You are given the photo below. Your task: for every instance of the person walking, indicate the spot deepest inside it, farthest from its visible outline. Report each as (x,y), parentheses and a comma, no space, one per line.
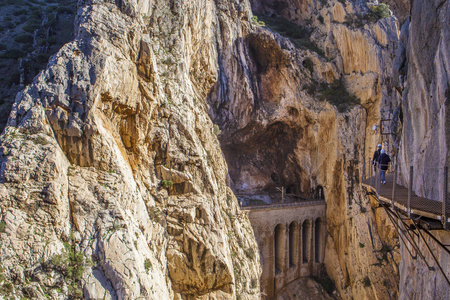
(383,162)
(376,154)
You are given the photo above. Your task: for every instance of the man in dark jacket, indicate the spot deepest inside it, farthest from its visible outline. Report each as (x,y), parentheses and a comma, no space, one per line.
(376,154)
(383,162)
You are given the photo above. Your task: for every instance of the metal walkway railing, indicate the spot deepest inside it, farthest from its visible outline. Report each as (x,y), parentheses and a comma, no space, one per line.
(435,202)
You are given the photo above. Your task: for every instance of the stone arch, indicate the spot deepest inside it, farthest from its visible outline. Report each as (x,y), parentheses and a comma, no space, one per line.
(293,244)
(306,240)
(318,240)
(279,248)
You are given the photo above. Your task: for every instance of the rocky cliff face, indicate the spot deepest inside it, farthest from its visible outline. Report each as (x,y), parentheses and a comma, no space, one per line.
(422,68)
(113,182)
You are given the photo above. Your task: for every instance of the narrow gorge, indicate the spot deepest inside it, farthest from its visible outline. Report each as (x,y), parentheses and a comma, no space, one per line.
(131,162)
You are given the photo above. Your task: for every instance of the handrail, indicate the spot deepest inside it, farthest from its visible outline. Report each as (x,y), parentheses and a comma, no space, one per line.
(302,203)
(439,208)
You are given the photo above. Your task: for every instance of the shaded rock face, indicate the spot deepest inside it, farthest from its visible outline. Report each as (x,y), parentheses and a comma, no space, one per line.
(425,92)
(422,68)
(112,180)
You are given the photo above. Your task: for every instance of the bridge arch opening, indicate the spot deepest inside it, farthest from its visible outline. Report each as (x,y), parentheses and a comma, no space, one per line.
(306,240)
(319,193)
(318,243)
(279,248)
(293,244)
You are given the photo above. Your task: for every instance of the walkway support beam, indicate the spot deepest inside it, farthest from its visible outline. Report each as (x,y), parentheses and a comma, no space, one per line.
(394,187)
(410,187)
(444,199)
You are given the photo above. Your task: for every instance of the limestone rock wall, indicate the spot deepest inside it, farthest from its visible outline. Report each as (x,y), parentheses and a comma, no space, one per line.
(112,180)
(422,70)
(275,130)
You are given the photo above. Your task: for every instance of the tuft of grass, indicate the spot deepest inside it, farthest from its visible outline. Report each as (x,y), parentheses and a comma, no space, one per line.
(25,38)
(2,226)
(147,264)
(216,129)
(361,245)
(167,183)
(257,22)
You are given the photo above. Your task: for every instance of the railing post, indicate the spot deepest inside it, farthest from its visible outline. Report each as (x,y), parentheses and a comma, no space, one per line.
(394,186)
(377,178)
(364,170)
(444,199)
(410,187)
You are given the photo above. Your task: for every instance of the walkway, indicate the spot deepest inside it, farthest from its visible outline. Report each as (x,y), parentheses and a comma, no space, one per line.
(418,205)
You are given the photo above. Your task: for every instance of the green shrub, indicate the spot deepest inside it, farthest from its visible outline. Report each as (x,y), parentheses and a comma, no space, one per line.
(320,18)
(65,10)
(20,12)
(256,22)
(216,129)
(13,54)
(326,283)
(166,183)
(366,281)
(308,64)
(2,226)
(285,27)
(24,38)
(147,264)
(337,94)
(378,12)
(7,288)
(31,26)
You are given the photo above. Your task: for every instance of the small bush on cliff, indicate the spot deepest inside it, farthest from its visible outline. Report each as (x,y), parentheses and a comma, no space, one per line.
(335,93)
(71,264)
(326,283)
(366,281)
(166,183)
(147,264)
(378,12)
(257,22)
(2,226)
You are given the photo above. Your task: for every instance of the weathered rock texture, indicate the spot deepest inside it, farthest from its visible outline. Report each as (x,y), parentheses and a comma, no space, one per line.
(110,154)
(422,69)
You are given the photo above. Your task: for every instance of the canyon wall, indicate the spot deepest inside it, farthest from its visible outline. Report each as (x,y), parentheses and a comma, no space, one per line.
(278,128)
(120,161)
(422,71)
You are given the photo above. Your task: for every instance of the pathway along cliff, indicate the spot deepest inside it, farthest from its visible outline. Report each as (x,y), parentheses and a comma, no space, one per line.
(121,160)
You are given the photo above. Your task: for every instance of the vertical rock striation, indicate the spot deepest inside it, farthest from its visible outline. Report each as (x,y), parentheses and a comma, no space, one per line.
(422,75)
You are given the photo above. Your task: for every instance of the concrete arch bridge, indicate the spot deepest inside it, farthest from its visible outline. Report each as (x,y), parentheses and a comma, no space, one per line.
(291,240)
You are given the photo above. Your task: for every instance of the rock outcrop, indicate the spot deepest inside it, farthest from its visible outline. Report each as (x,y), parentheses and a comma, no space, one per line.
(113,182)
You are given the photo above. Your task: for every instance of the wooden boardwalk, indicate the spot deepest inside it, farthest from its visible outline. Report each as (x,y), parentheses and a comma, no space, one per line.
(419,206)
